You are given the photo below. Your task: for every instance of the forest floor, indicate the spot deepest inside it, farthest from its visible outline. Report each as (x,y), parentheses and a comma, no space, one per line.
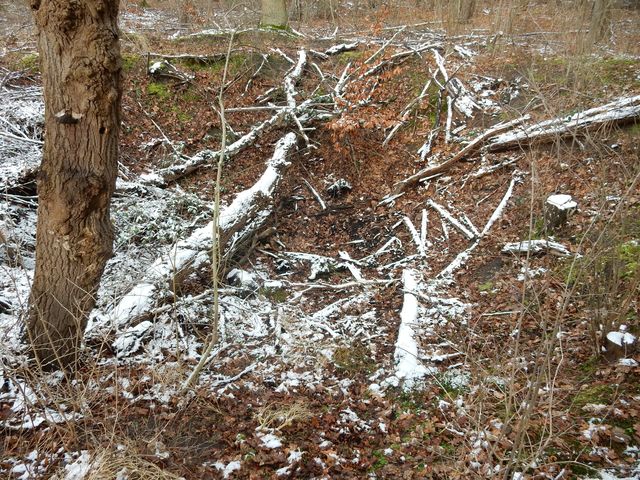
(362,334)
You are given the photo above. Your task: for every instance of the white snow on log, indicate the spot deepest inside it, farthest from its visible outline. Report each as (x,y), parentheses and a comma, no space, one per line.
(562,202)
(465,101)
(156,66)
(338,91)
(409,369)
(135,303)
(536,246)
(621,338)
(263,187)
(343,47)
(624,108)
(415,236)
(292,78)
(193,251)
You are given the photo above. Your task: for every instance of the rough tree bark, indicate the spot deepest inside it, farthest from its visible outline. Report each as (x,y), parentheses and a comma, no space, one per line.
(80,63)
(274,14)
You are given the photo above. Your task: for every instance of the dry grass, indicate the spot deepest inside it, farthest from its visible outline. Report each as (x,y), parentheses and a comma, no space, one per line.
(121,463)
(281,416)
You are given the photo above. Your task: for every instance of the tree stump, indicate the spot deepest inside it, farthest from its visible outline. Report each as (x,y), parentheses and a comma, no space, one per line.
(620,345)
(557,210)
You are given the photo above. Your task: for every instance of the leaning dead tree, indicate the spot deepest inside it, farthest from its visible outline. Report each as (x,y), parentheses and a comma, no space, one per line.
(78,172)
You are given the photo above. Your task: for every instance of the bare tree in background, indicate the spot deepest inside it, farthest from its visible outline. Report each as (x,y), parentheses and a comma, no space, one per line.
(600,23)
(80,63)
(274,14)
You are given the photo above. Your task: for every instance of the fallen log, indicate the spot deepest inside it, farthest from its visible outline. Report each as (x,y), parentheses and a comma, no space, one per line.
(408,367)
(238,222)
(619,111)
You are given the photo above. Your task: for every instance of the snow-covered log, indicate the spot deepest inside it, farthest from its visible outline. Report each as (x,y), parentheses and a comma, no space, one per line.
(535,247)
(239,221)
(409,369)
(619,111)
(343,47)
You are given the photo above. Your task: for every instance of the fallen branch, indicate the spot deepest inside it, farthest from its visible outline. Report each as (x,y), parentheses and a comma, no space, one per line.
(343,47)
(175,172)
(535,247)
(475,145)
(444,213)
(445,276)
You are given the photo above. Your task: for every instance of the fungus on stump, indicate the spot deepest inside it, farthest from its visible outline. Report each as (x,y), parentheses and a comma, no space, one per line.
(81,65)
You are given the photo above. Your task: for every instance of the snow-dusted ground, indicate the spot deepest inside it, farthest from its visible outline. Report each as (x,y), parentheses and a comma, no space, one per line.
(290,330)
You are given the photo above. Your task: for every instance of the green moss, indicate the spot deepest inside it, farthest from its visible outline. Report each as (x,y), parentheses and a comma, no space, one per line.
(486,286)
(380,460)
(277,28)
(354,359)
(350,56)
(583,471)
(129,61)
(191,96)
(184,117)
(584,71)
(629,255)
(634,130)
(30,62)
(275,295)
(159,90)
(590,366)
(593,394)
(410,400)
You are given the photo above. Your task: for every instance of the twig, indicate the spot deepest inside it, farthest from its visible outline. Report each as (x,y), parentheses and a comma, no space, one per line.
(315,194)
(451,219)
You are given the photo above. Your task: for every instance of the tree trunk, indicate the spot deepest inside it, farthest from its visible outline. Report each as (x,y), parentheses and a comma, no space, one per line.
(274,14)
(80,63)
(600,23)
